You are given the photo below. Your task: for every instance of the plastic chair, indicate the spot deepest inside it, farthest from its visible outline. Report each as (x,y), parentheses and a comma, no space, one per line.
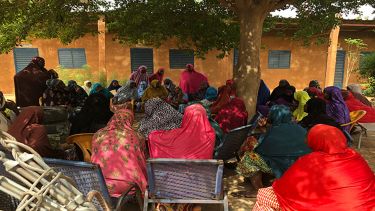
(355,116)
(83,141)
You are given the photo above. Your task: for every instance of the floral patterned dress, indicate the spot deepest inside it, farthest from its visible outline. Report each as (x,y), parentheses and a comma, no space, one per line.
(120,152)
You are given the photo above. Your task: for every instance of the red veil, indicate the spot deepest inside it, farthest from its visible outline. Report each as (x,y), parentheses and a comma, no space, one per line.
(332,177)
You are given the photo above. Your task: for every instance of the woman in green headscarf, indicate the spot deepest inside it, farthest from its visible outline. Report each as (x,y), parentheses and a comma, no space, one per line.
(98,88)
(302,97)
(276,150)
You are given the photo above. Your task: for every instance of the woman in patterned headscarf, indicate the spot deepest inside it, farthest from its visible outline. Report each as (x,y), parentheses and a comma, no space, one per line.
(56,94)
(159,115)
(126,93)
(140,75)
(118,145)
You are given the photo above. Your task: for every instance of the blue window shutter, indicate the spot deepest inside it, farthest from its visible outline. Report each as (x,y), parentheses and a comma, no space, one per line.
(279,59)
(178,59)
(142,56)
(23,56)
(72,57)
(340,69)
(235,57)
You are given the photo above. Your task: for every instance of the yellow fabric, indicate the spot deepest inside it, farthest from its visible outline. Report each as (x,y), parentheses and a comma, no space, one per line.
(154,92)
(302,97)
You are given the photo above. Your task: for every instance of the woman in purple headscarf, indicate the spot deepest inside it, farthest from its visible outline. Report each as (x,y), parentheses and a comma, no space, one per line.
(336,107)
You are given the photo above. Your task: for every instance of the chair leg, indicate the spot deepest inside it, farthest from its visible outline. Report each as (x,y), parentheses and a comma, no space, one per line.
(360,140)
(145,202)
(226,206)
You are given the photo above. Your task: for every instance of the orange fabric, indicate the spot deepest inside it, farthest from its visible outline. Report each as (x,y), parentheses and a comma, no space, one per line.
(332,177)
(195,139)
(355,105)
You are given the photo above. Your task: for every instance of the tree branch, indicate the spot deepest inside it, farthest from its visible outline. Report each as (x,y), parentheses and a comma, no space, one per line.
(230,4)
(278,4)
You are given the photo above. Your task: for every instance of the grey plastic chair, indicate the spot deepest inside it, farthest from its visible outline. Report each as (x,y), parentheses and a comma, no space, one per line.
(185,181)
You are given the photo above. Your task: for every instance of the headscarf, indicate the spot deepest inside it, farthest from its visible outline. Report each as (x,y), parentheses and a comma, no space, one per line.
(112,87)
(336,107)
(201,93)
(191,80)
(315,92)
(78,95)
(159,115)
(226,92)
(314,84)
(263,94)
(139,76)
(157,76)
(126,93)
(332,177)
(93,116)
(356,90)
(141,88)
(27,128)
(211,94)
(56,93)
(118,145)
(195,139)
(153,91)
(280,91)
(284,141)
(356,105)
(30,83)
(232,115)
(302,97)
(104,91)
(86,88)
(316,109)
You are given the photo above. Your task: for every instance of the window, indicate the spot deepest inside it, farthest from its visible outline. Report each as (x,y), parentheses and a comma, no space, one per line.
(142,56)
(279,59)
(23,56)
(178,59)
(235,57)
(72,57)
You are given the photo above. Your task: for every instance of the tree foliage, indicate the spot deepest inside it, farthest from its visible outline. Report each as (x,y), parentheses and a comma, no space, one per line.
(66,20)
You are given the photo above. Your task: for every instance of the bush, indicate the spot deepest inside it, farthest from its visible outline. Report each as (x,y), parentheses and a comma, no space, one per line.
(367,70)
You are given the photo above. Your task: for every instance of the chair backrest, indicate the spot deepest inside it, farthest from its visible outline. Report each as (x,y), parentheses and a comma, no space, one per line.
(185,179)
(86,176)
(83,141)
(355,116)
(235,138)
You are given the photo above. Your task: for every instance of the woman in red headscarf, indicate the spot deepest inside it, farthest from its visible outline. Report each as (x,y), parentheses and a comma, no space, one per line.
(226,93)
(354,105)
(159,75)
(191,80)
(332,177)
(195,139)
(232,115)
(140,75)
(30,82)
(27,128)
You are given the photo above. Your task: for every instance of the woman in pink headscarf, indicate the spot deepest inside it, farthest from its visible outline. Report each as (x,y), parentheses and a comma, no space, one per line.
(159,75)
(119,150)
(195,139)
(191,80)
(140,75)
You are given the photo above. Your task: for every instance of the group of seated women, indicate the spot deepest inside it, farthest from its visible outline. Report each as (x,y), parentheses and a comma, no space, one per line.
(180,122)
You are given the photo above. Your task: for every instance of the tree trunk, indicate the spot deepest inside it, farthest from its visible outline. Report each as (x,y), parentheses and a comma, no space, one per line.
(247,73)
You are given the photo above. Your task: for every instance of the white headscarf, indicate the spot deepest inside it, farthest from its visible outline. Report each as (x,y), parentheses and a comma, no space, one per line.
(86,88)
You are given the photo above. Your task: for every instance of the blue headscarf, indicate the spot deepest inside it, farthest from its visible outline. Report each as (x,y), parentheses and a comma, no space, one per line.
(104,91)
(141,88)
(263,94)
(211,93)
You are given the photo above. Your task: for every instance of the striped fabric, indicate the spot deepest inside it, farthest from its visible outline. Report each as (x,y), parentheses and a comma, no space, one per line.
(266,200)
